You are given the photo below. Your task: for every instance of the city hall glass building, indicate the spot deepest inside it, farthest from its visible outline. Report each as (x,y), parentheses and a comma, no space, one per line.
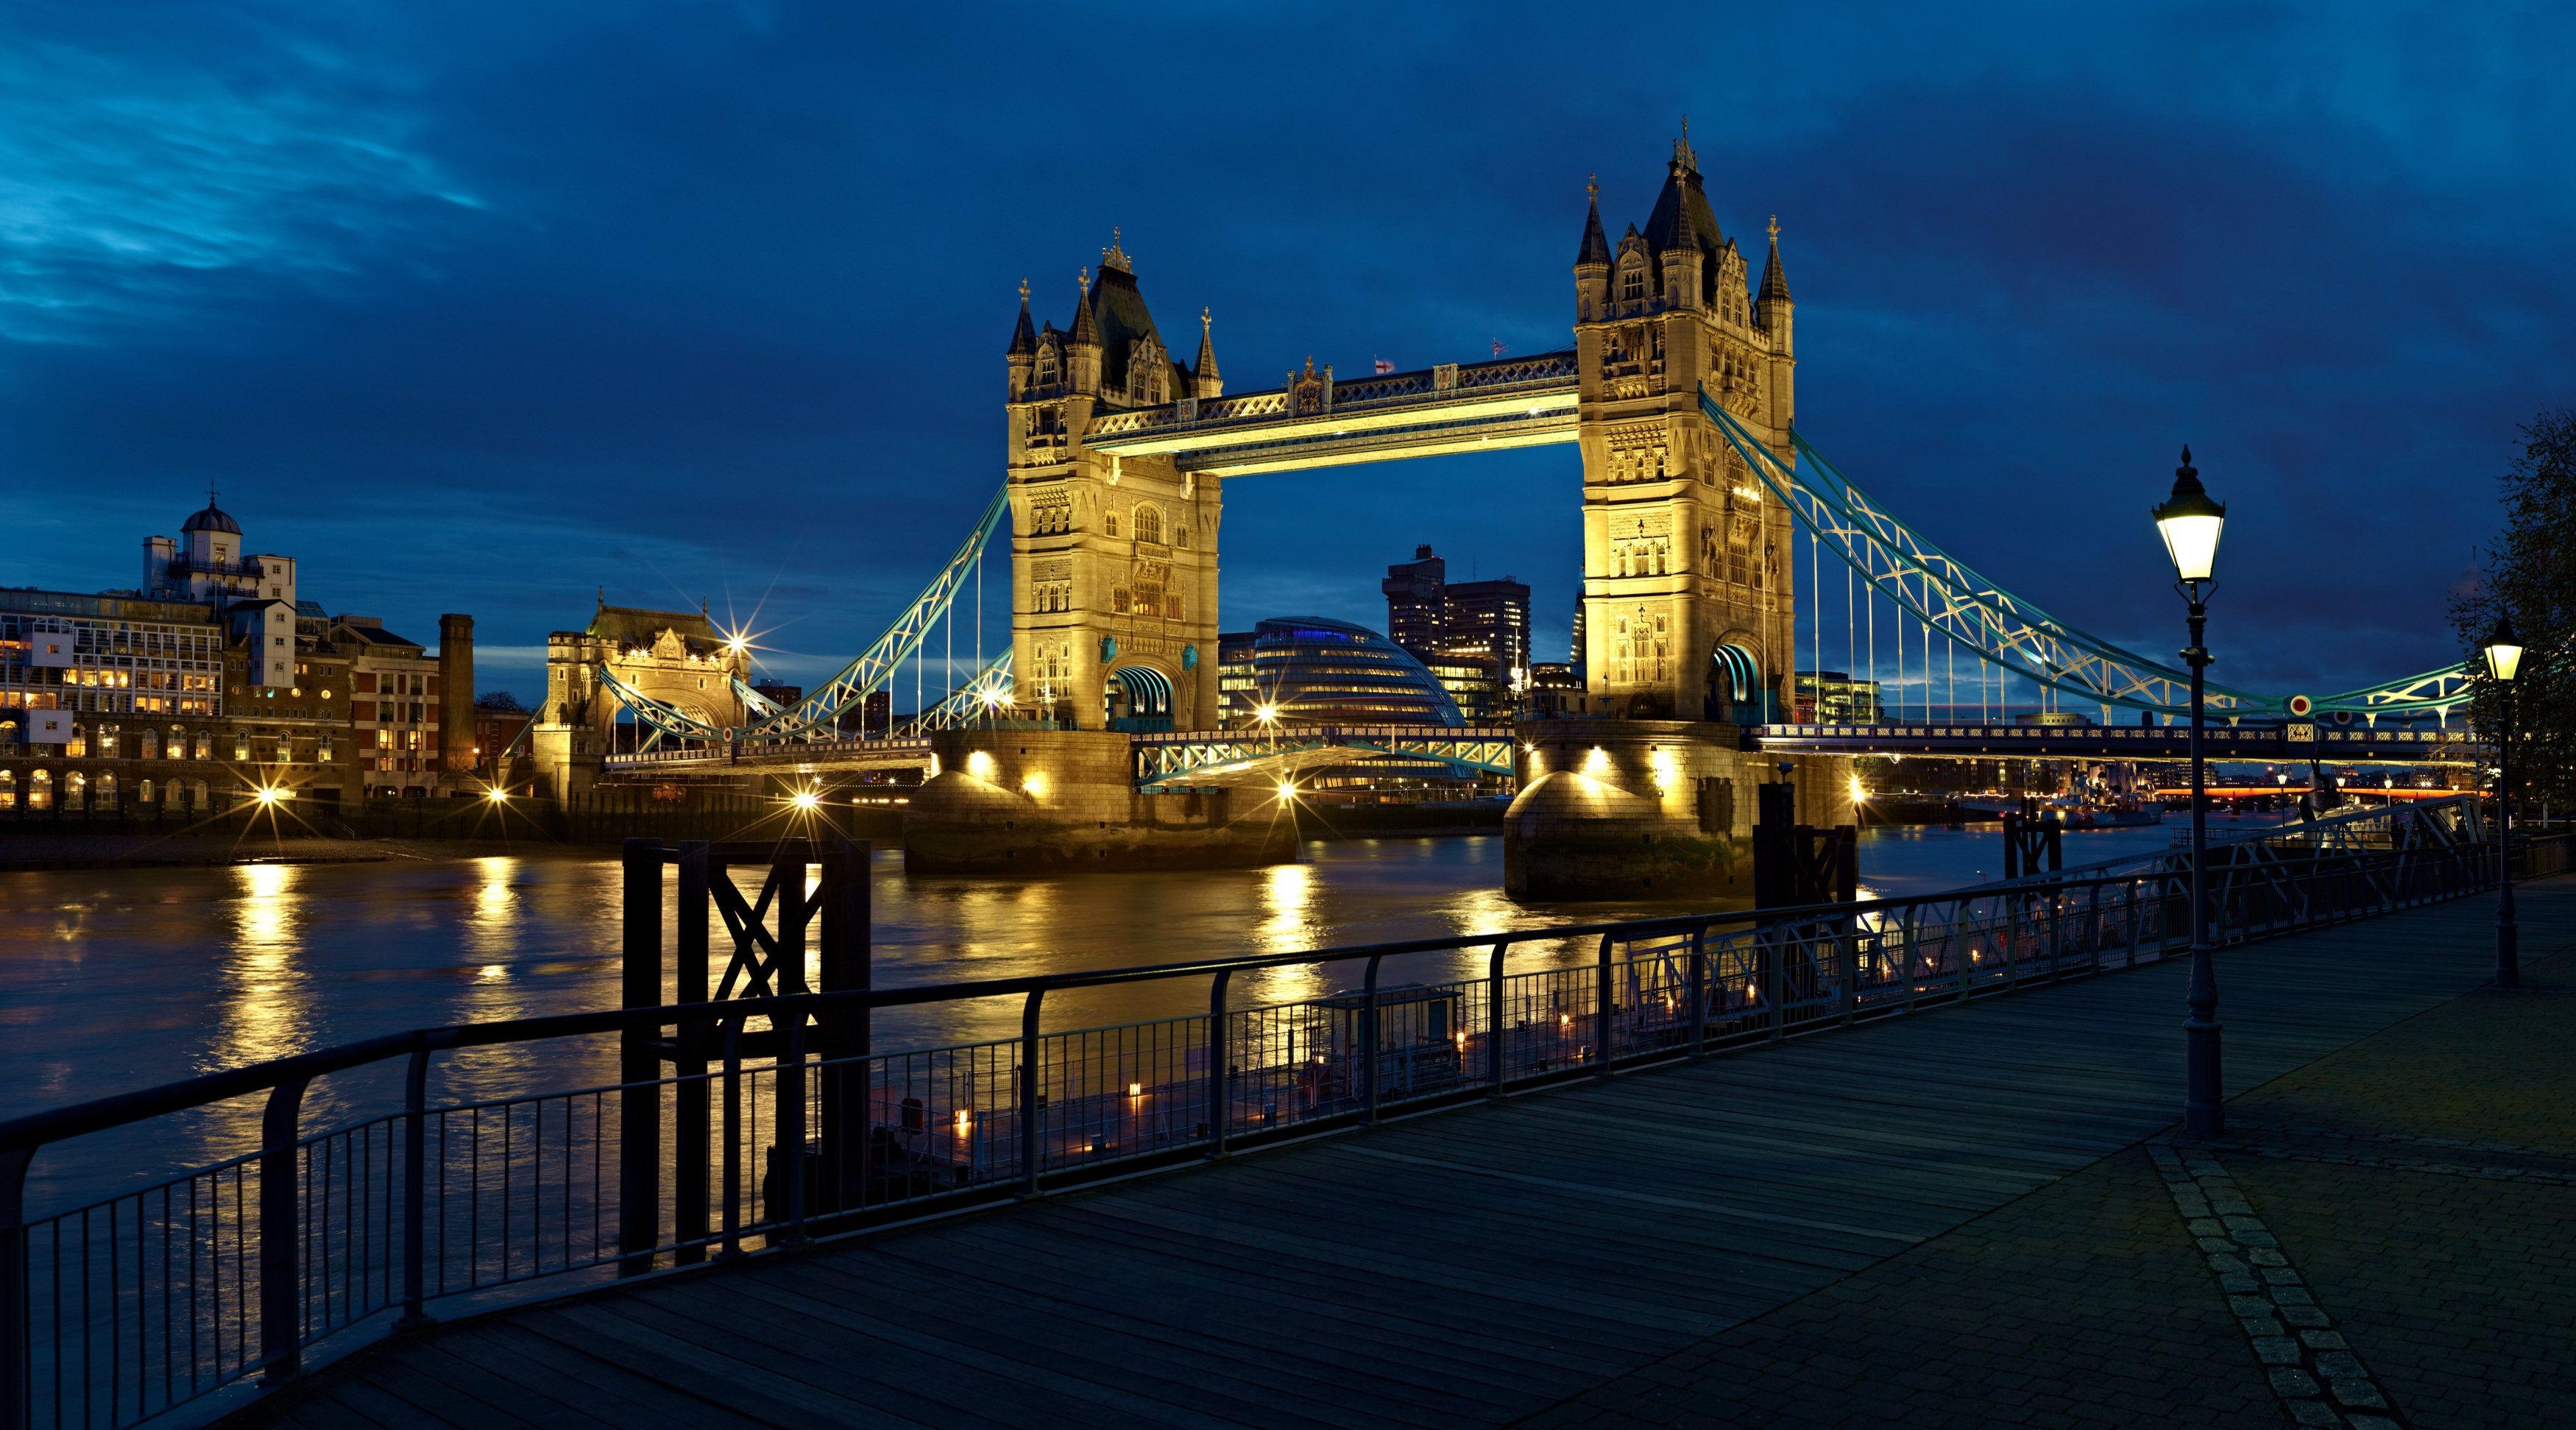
(1318,672)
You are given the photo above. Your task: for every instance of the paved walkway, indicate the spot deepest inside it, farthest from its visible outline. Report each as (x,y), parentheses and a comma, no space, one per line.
(1964,1218)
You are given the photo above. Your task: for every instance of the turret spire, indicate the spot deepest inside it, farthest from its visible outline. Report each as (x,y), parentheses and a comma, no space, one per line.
(1205,368)
(1024,338)
(1085,328)
(1775,279)
(1595,247)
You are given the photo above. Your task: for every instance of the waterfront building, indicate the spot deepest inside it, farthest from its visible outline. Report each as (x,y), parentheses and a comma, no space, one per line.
(1313,671)
(209,680)
(397,697)
(498,720)
(1555,688)
(210,564)
(1489,621)
(1832,697)
(1238,693)
(1437,619)
(1417,607)
(1483,695)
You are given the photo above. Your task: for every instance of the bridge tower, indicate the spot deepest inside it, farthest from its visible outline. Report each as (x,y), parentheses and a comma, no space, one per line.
(1113,561)
(1687,585)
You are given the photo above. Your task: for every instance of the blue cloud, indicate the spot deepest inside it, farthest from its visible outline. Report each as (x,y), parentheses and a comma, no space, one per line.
(489,306)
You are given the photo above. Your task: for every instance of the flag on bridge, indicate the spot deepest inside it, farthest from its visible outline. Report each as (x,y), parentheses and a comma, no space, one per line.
(1382,365)
(1498,347)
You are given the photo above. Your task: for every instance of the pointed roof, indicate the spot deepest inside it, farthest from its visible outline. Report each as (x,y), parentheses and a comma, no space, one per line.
(1205,367)
(1775,279)
(1024,338)
(1682,214)
(1596,248)
(1084,329)
(1116,311)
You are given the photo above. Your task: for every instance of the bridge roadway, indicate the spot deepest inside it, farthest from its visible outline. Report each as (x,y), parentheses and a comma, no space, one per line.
(1571,1248)
(1187,759)
(1164,760)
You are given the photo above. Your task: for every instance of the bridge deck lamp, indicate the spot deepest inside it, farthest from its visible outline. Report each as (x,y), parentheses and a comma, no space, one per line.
(2503,653)
(2190,523)
(805,799)
(497,795)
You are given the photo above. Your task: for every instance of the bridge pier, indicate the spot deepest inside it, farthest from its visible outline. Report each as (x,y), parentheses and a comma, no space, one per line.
(1623,809)
(1034,802)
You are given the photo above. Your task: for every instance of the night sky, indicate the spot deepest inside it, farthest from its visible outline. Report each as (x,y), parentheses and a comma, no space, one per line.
(484,307)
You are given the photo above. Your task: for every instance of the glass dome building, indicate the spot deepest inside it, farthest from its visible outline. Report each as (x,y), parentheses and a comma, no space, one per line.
(1319,672)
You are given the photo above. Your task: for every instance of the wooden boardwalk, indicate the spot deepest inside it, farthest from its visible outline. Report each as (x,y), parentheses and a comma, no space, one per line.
(1467,1267)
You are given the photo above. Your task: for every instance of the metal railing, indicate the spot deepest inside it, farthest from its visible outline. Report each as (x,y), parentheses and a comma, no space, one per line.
(774,1130)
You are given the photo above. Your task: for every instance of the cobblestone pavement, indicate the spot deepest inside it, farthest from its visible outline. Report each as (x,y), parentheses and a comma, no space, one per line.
(2083,1304)
(2312,1368)
(2425,1182)
(2413,1201)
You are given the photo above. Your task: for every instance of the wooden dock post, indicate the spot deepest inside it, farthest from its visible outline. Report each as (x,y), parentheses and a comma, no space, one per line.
(639,1064)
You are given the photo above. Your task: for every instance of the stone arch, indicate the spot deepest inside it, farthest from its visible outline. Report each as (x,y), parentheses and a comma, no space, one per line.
(1735,690)
(1138,692)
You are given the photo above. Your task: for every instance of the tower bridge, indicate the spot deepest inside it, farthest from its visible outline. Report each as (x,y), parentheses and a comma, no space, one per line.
(1679,394)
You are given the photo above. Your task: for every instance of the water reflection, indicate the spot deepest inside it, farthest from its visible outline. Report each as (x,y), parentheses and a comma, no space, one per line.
(112,980)
(266,1007)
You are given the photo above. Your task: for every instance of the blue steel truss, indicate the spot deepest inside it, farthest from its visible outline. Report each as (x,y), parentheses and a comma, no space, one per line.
(760,706)
(662,720)
(819,714)
(822,709)
(980,700)
(1172,762)
(1998,627)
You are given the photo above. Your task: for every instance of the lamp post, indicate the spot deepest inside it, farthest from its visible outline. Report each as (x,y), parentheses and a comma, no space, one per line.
(2190,523)
(2504,661)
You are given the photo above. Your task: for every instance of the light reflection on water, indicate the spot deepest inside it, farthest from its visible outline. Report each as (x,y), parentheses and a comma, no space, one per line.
(114,980)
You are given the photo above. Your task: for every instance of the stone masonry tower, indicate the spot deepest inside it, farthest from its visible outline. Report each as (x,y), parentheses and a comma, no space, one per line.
(1686,569)
(1114,569)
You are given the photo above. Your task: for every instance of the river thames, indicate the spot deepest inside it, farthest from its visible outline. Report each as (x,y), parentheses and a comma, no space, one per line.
(119,979)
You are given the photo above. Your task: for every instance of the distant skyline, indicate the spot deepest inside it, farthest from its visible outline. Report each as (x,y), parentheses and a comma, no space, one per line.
(488,307)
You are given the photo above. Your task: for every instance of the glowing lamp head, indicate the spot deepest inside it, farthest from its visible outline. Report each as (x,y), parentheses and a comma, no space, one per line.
(737,643)
(2190,522)
(991,698)
(267,795)
(2503,651)
(805,799)
(1287,789)
(497,795)
(1266,713)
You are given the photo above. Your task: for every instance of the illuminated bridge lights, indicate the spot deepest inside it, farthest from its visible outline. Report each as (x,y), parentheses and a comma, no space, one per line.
(2251,740)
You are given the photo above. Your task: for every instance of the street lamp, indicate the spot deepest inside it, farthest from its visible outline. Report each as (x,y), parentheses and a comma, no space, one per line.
(2190,523)
(2504,661)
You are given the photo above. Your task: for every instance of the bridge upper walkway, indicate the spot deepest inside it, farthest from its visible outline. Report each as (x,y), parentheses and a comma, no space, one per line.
(1477,1266)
